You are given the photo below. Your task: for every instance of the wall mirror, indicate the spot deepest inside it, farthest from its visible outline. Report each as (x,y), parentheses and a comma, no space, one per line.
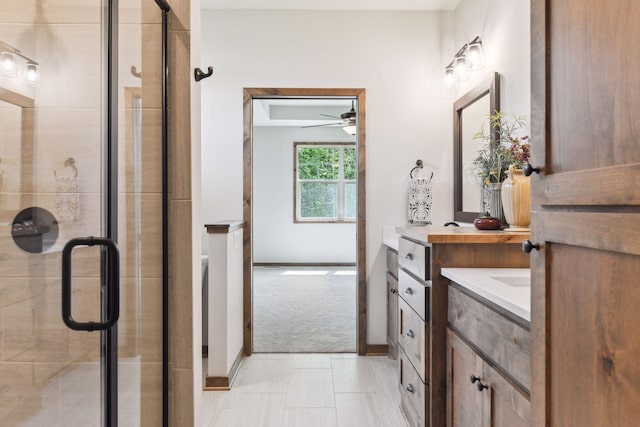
(469,112)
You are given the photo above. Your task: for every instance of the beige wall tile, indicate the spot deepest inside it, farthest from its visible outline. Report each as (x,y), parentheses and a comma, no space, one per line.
(180,294)
(140,324)
(181,398)
(143,169)
(140,235)
(179,115)
(57,11)
(180,15)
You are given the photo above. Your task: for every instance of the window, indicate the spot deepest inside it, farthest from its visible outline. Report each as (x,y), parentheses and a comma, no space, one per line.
(325,182)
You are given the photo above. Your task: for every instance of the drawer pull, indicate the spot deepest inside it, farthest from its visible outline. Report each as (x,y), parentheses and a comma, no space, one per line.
(409,256)
(410,333)
(410,389)
(480,386)
(408,291)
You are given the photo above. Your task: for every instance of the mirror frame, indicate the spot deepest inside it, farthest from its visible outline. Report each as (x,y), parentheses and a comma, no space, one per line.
(490,86)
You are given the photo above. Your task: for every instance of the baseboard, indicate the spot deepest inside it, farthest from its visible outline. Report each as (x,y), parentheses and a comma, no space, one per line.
(304,264)
(224,383)
(377,349)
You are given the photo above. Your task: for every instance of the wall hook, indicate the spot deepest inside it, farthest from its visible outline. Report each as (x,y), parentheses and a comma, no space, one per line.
(198,74)
(134,72)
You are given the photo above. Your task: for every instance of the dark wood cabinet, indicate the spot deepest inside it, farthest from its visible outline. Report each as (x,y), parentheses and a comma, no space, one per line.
(488,363)
(392,315)
(478,395)
(392,303)
(423,252)
(585,137)
(465,402)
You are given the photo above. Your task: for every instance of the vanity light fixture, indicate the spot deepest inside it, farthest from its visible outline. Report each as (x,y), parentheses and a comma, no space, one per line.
(10,59)
(468,58)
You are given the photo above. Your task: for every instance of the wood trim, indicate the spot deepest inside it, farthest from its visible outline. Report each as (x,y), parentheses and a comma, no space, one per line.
(613,231)
(223,227)
(304,264)
(377,349)
(539,128)
(615,185)
(249,94)
(224,383)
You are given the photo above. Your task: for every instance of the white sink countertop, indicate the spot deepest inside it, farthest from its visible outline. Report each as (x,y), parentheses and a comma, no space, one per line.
(509,288)
(390,238)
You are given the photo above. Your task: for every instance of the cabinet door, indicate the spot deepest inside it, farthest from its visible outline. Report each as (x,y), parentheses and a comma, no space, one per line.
(464,402)
(508,406)
(585,138)
(392,313)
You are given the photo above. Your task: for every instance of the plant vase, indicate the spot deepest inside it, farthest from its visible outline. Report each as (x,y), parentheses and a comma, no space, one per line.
(493,201)
(516,200)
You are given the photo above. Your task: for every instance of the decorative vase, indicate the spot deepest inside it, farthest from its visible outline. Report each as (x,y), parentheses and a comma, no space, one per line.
(516,200)
(493,201)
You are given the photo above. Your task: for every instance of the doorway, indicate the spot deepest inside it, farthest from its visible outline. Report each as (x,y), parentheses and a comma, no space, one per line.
(338,189)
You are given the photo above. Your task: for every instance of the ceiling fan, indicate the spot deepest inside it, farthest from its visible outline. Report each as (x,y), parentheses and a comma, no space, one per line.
(347,119)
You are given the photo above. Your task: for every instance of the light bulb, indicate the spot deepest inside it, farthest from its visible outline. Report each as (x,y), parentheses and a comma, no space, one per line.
(460,68)
(475,57)
(32,75)
(8,64)
(449,77)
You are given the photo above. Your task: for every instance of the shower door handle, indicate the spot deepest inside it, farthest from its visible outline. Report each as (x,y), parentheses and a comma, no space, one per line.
(112,287)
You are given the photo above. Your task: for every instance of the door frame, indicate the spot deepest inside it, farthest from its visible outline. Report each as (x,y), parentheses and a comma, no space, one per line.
(249,94)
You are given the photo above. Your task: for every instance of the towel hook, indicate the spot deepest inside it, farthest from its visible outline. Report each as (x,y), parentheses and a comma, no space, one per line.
(419,165)
(198,74)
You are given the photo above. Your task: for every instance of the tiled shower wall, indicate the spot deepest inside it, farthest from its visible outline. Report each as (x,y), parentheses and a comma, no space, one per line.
(38,354)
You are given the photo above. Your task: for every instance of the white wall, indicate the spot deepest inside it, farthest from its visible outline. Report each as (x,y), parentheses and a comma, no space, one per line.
(398,57)
(504,27)
(276,238)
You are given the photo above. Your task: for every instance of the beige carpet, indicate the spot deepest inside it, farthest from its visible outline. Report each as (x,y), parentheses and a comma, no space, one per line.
(304,309)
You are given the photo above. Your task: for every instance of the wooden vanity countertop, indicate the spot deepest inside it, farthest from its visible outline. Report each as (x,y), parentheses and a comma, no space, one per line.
(439,234)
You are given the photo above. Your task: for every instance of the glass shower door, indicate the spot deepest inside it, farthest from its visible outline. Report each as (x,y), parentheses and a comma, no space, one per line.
(80,156)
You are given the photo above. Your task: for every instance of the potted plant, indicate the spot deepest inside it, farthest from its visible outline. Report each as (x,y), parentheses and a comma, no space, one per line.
(504,149)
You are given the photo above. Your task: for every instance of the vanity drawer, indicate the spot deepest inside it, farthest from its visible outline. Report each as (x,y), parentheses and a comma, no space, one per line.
(413,338)
(414,293)
(415,258)
(392,262)
(413,393)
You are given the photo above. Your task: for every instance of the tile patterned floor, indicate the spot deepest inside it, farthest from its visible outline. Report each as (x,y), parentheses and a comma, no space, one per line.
(308,390)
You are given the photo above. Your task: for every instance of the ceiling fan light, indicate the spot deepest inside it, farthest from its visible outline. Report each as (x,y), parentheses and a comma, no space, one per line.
(350,129)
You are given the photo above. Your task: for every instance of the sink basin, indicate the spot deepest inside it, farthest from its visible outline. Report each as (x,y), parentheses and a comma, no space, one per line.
(517,281)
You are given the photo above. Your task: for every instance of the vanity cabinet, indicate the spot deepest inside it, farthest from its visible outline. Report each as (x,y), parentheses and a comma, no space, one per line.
(392,303)
(422,307)
(488,364)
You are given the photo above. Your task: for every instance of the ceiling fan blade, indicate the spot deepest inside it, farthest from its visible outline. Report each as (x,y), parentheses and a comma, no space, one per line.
(326,124)
(333,117)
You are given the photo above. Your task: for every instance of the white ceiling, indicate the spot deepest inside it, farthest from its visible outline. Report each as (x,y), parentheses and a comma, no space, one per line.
(331,4)
(298,112)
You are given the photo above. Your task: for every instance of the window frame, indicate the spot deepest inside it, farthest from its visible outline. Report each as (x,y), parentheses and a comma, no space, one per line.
(341,181)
